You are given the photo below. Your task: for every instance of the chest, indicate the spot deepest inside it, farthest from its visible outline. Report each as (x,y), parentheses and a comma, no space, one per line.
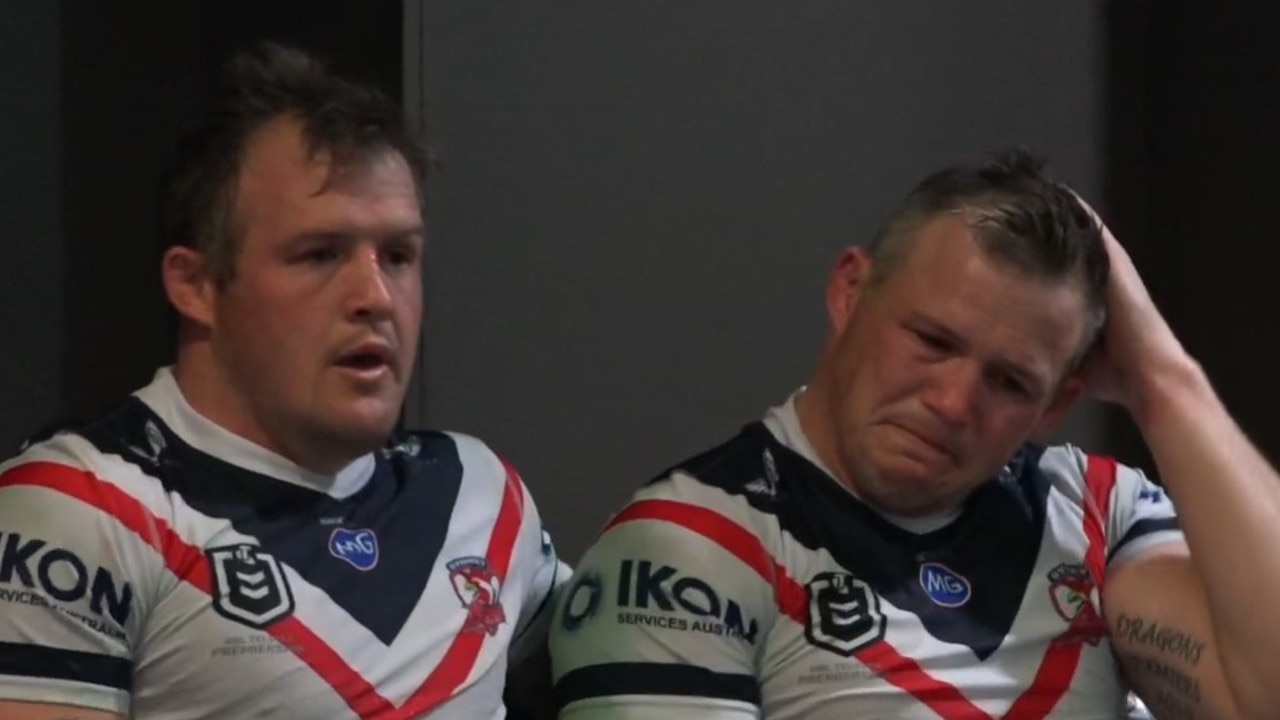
(958,630)
(325,618)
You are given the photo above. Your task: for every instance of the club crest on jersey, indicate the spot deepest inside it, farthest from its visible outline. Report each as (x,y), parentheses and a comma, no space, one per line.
(844,614)
(1075,598)
(358,547)
(478,588)
(944,586)
(249,585)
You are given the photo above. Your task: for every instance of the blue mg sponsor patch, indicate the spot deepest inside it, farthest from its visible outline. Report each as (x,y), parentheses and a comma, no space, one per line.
(358,547)
(944,586)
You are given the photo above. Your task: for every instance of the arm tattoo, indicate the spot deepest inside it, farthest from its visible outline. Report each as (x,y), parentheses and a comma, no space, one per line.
(1170,641)
(1172,679)
(1169,693)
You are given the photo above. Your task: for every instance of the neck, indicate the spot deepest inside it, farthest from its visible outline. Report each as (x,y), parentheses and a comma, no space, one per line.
(817,424)
(209,390)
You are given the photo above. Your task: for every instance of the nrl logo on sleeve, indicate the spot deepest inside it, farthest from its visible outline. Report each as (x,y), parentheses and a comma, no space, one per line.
(249,585)
(478,588)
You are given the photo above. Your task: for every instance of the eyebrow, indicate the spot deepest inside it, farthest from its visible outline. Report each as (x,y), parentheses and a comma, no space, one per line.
(343,236)
(1021,373)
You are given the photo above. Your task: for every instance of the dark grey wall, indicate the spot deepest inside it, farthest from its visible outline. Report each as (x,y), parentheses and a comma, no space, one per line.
(127,80)
(1193,164)
(31,277)
(636,203)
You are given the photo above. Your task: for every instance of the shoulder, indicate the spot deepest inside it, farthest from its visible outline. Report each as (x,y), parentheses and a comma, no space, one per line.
(113,459)
(710,513)
(738,479)
(1074,473)
(438,452)
(1077,474)
(476,479)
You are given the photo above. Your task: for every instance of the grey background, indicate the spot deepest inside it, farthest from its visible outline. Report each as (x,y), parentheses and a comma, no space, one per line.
(636,203)
(31,265)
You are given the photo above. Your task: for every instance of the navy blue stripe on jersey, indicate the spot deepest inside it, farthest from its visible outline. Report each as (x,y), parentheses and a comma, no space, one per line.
(993,544)
(50,663)
(407,504)
(1142,527)
(641,678)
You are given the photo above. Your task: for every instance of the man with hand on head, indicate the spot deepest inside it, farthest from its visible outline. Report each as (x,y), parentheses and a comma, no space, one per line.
(249,535)
(893,542)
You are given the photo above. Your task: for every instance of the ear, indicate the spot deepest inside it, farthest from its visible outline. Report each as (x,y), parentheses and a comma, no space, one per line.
(849,280)
(1069,390)
(188,285)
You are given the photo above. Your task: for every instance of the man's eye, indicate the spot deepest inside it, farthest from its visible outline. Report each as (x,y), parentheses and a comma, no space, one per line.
(933,342)
(319,255)
(1010,384)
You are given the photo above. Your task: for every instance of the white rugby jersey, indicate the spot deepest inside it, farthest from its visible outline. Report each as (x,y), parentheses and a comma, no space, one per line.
(155,565)
(748,583)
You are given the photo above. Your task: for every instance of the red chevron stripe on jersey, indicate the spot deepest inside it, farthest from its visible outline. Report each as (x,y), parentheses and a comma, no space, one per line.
(1056,669)
(190,564)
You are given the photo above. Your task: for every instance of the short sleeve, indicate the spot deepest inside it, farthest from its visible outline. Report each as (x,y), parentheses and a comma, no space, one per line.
(1142,516)
(663,616)
(71,584)
(546,573)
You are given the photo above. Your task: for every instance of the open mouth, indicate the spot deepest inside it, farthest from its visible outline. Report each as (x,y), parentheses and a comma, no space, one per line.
(363,361)
(370,358)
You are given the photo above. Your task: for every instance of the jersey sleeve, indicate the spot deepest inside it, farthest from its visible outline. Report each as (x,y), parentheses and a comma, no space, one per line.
(72,581)
(665,613)
(547,573)
(1142,515)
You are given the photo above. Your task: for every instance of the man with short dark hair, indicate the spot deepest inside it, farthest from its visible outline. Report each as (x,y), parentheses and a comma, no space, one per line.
(250,535)
(894,542)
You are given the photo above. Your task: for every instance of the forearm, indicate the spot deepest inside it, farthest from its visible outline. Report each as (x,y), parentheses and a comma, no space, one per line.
(1228,500)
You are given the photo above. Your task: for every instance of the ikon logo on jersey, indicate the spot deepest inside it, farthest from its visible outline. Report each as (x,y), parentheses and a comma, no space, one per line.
(249,586)
(358,547)
(582,601)
(643,587)
(944,586)
(30,564)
